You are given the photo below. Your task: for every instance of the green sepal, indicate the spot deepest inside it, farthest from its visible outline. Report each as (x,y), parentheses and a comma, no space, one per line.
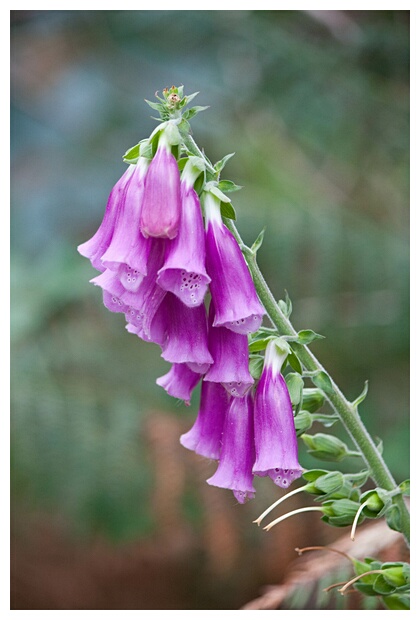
(219,165)
(313,399)
(188,98)
(303,422)
(294,384)
(325,419)
(286,306)
(191,112)
(132,155)
(228,186)
(405,487)
(393,518)
(327,447)
(362,396)
(340,512)
(379,501)
(322,380)
(397,574)
(259,345)
(358,478)
(294,362)
(330,483)
(256,364)
(182,162)
(306,336)
(159,107)
(397,602)
(227,210)
(313,474)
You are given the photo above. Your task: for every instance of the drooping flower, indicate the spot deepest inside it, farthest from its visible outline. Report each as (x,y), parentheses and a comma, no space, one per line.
(186,334)
(205,436)
(179,382)
(161,205)
(236,303)
(128,251)
(95,248)
(139,306)
(230,358)
(275,436)
(184,272)
(237,453)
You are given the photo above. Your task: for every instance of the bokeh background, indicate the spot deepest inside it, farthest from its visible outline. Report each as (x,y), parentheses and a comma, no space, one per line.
(108,510)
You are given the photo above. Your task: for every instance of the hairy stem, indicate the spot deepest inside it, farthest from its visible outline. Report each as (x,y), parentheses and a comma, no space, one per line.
(347,412)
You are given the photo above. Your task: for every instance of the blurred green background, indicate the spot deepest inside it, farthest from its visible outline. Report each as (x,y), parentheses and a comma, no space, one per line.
(108,510)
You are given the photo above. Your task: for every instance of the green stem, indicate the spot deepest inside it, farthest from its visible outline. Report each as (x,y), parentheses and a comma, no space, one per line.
(347,412)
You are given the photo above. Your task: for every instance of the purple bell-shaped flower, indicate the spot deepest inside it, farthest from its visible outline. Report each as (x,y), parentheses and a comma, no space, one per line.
(161,206)
(237,454)
(96,247)
(275,436)
(236,303)
(183,272)
(231,358)
(205,436)
(179,382)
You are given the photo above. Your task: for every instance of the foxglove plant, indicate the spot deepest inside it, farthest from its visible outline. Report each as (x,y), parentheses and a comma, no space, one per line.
(173,262)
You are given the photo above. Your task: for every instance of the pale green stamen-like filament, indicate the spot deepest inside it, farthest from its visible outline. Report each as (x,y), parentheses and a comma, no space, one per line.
(291,514)
(277,502)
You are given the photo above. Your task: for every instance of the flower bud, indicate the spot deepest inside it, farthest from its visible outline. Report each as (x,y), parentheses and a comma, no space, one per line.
(326,447)
(313,399)
(340,512)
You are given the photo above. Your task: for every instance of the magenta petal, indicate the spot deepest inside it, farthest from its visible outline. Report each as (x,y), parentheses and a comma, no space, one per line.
(237,453)
(179,382)
(186,333)
(98,244)
(161,206)
(236,303)
(230,354)
(126,234)
(205,436)
(275,436)
(183,272)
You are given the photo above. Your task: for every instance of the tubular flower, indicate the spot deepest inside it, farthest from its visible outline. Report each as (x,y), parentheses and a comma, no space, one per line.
(184,272)
(179,382)
(99,243)
(205,436)
(161,205)
(126,239)
(237,453)
(186,334)
(230,354)
(236,303)
(275,436)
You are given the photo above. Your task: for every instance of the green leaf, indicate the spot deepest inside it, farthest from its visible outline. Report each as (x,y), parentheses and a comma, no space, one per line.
(322,380)
(306,336)
(132,155)
(258,242)
(191,112)
(218,166)
(228,186)
(362,396)
(227,210)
